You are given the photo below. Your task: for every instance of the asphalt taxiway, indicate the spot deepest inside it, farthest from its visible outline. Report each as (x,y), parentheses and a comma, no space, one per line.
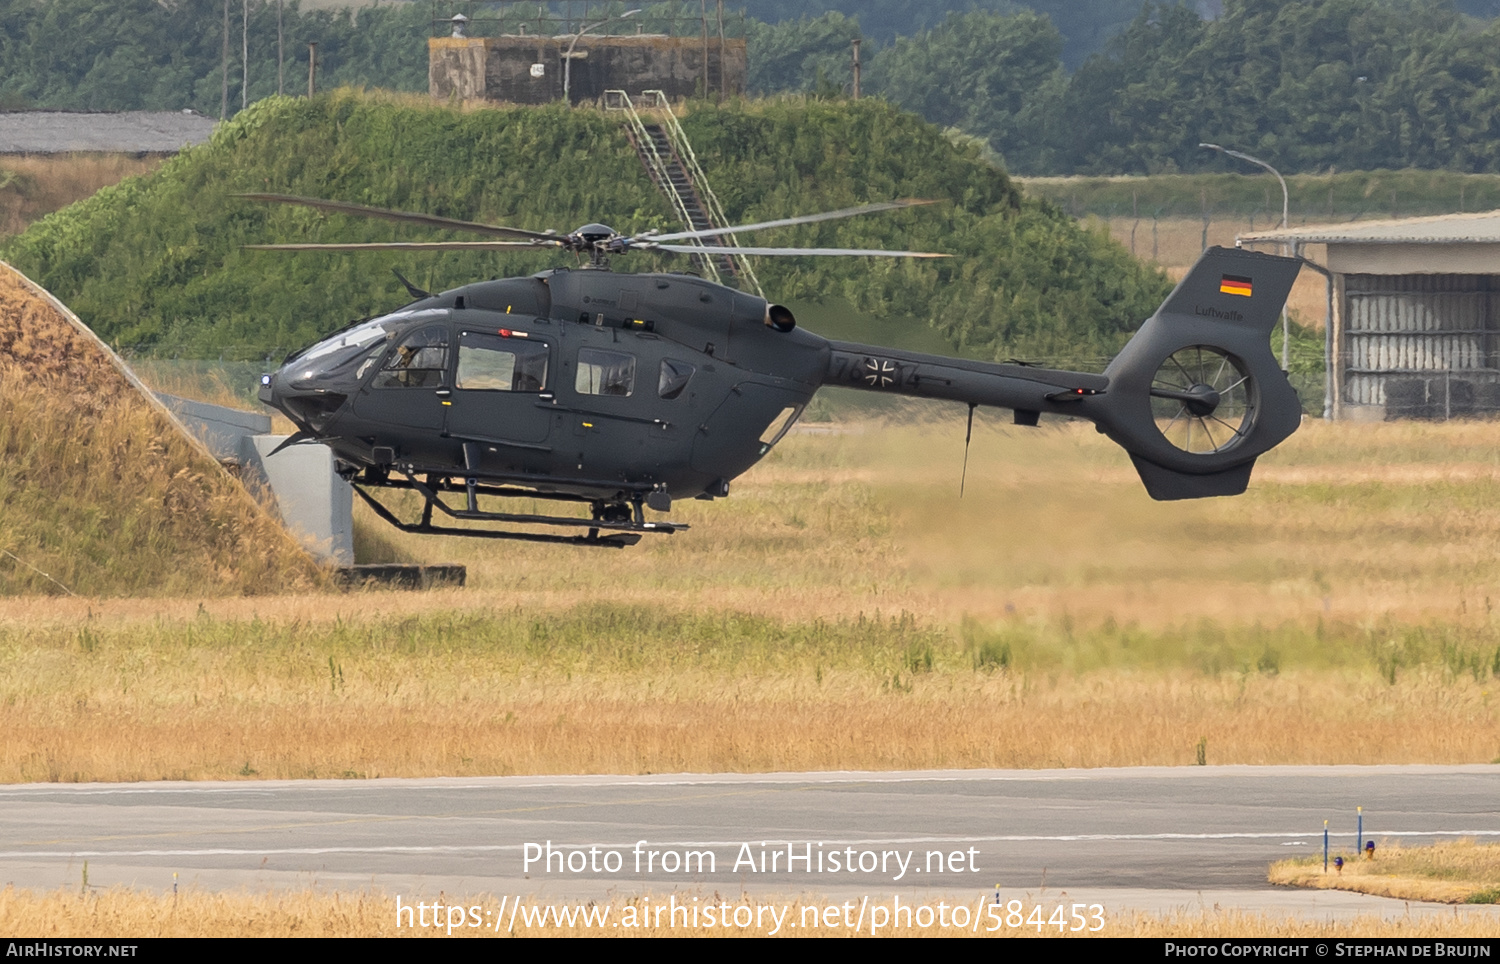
(1154,838)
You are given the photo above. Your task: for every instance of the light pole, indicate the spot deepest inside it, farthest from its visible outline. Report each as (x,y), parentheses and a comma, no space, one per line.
(1285,328)
(568,55)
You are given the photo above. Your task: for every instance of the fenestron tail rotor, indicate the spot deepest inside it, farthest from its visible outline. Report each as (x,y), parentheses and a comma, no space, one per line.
(1197,395)
(1203,400)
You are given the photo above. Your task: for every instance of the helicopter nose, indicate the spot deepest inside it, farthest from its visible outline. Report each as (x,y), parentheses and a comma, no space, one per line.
(310,409)
(276,392)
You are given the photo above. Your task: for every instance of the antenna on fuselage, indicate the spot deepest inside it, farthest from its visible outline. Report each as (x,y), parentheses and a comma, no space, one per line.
(411,289)
(968,434)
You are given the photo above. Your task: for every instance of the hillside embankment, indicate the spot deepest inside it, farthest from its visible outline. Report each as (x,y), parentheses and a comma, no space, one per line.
(100,494)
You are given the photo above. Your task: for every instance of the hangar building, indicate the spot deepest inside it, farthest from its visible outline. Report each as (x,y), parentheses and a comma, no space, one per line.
(1414,308)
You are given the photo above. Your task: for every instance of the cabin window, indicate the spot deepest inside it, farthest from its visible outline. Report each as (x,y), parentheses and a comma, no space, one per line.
(604,372)
(419,361)
(674,378)
(779,426)
(497,363)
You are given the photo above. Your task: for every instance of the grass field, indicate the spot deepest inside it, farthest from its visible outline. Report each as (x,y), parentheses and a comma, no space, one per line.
(843,609)
(32,187)
(1456,872)
(315,913)
(1249,193)
(1343,523)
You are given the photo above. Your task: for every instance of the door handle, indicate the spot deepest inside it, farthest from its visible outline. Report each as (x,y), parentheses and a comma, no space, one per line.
(443,392)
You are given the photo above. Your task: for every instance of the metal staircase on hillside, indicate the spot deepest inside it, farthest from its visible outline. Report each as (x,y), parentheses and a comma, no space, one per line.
(664,149)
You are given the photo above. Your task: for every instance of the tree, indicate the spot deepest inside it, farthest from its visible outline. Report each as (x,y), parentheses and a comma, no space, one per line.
(1306,84)
(996,77)
(800,56)
(150,55)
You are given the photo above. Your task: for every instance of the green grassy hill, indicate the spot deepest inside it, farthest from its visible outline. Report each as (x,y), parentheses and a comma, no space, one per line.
(156,264)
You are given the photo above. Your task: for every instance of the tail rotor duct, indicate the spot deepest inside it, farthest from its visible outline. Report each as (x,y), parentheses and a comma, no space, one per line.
(1203,400)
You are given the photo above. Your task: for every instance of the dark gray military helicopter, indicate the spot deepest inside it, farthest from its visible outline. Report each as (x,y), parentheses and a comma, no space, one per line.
(623,392)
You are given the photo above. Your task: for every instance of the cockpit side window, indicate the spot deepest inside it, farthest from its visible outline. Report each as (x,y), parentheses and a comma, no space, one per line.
(419,361)
(496,363)
(604,372)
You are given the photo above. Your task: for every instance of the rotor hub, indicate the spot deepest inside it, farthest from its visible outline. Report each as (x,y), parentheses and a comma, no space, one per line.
(593,234)
(1202,400)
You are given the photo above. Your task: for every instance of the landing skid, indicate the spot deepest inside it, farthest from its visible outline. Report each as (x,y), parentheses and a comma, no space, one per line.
(615,523)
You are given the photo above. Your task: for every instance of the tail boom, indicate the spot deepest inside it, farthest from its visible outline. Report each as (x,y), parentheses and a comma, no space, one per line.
(1195,397)
(1023,388)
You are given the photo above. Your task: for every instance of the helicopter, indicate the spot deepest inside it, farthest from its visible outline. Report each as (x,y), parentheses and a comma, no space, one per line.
(626,392)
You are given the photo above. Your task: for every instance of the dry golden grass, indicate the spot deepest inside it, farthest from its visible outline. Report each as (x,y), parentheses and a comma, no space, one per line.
(99,494)
(1340,611)
(311,913)
(34,186)
(1357,523)
(1453,872)
(618,690)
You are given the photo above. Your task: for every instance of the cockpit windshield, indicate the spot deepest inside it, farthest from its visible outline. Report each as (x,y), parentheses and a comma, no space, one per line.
(355,338)
(335,355)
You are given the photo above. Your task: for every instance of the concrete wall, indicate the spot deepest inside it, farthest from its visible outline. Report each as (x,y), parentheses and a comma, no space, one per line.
(456,68)
(314,503)
(222,429)
(529,70)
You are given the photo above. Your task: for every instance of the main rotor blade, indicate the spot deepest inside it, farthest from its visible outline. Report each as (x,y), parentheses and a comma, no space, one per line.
(790,252)
(409,217)
(785,222)
(401,246)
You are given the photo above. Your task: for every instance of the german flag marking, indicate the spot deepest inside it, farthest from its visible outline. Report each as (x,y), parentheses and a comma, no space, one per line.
(1235,285)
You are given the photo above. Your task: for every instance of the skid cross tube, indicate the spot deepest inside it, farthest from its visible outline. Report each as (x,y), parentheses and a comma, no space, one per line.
(618,540)
(623,533)
(476,516)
